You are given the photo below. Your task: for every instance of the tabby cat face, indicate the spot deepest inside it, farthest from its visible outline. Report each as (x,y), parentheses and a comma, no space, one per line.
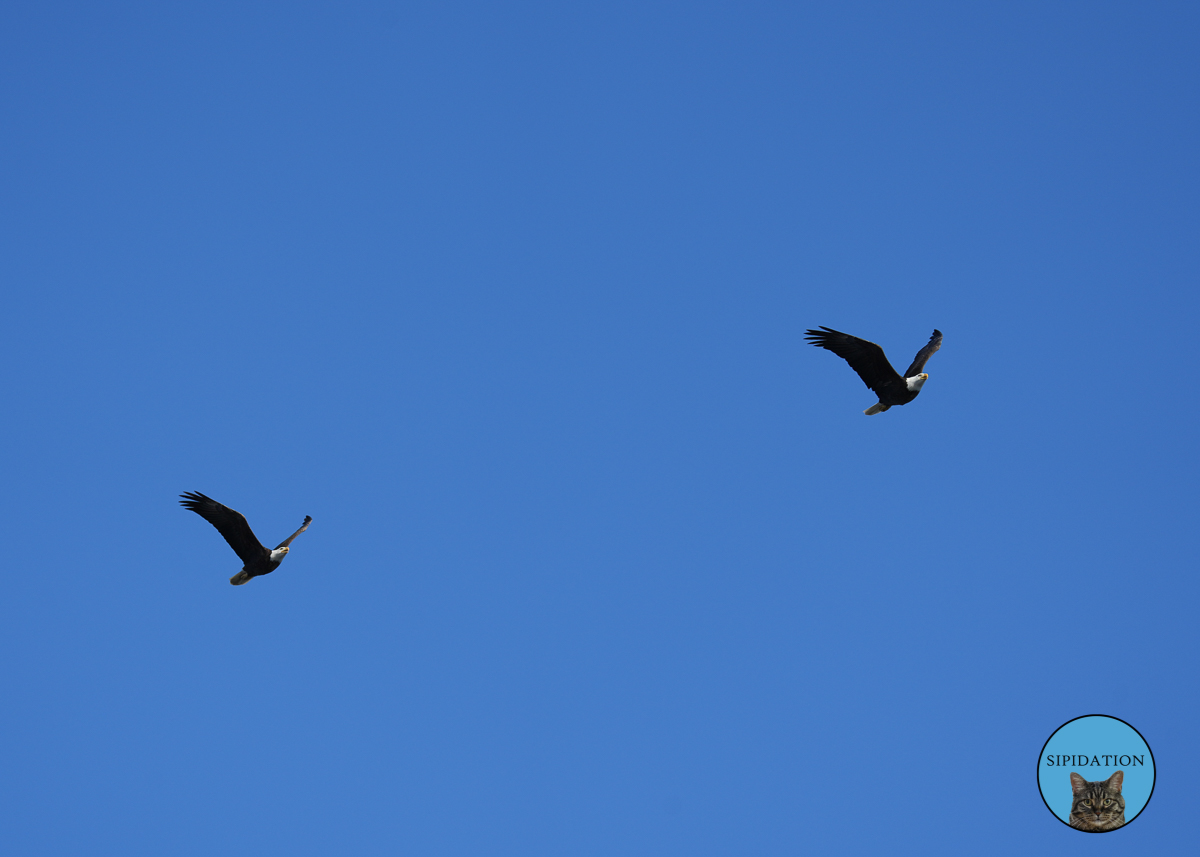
(1097,806)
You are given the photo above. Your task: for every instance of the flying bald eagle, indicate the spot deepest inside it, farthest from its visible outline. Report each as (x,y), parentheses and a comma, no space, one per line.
(868,360)
(232,525)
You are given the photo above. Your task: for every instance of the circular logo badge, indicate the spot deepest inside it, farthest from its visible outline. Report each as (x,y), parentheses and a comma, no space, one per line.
(1096,773)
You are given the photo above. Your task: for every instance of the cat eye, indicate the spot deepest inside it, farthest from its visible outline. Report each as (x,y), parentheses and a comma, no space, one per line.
(1107,802)
(1086,802)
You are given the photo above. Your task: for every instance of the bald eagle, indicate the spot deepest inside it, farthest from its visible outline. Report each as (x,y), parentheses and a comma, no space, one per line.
(868,360)
(232,525)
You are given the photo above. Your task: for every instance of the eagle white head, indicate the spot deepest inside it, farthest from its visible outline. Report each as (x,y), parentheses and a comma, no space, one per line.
(916,382)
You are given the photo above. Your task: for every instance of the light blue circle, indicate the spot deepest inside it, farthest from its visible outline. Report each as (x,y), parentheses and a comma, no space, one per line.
(1095,747)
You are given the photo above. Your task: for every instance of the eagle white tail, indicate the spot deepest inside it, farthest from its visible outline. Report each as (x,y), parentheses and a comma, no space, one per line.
(240,578)
(877,408)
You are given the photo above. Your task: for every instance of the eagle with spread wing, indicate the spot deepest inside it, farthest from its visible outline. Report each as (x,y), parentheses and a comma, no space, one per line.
(232,525)
(868,360)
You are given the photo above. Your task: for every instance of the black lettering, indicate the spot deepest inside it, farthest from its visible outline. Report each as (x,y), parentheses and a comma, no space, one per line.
(1139,760)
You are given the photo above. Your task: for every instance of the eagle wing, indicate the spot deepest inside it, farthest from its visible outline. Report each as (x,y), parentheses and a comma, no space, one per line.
(935,342)
(865,358)
(230,524)
(288,540)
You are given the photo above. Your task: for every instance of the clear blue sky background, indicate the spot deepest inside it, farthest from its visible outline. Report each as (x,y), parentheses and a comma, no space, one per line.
(604,560)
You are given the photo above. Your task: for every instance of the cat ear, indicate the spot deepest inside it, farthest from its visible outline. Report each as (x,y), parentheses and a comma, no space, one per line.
(1114,782)
(1077,783)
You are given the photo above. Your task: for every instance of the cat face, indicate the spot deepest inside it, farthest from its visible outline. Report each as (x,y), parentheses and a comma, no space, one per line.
(1097,806)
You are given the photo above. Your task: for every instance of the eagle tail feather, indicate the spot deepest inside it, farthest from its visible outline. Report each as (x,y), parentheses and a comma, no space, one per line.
(877,408)
(241,577)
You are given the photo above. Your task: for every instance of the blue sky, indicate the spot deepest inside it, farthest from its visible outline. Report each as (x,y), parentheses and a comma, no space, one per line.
(604,559)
